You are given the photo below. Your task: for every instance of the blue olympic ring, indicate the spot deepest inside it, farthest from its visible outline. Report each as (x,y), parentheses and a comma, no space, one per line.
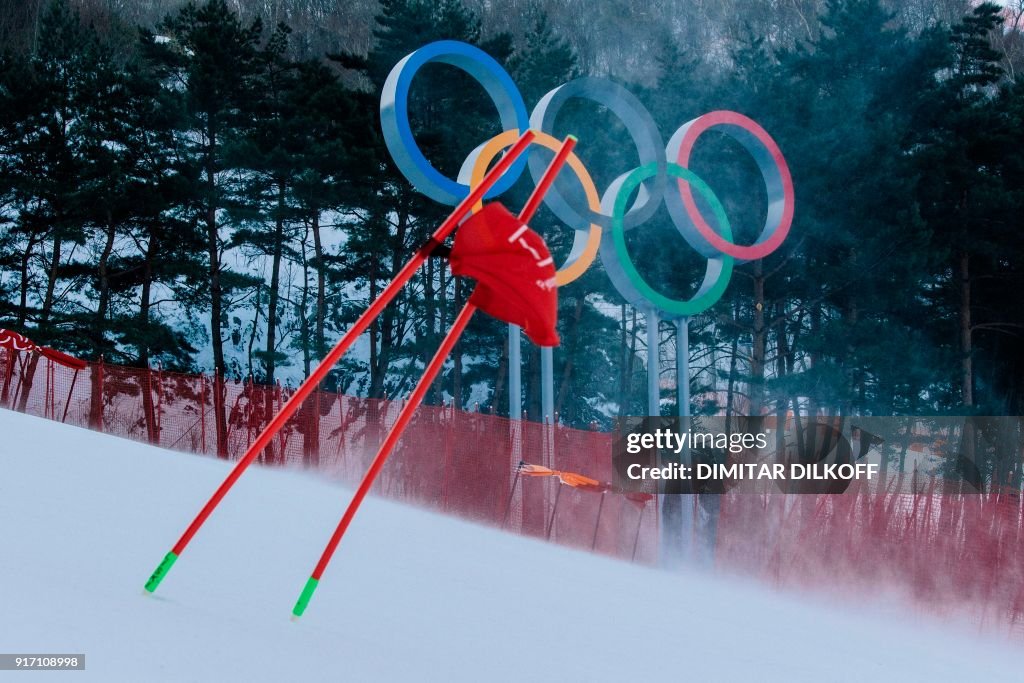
(394,116)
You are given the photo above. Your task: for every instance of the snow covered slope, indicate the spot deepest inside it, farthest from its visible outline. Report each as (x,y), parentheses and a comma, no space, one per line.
(410,596)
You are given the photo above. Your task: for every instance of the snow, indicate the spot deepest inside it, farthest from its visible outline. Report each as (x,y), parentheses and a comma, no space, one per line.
(84,519)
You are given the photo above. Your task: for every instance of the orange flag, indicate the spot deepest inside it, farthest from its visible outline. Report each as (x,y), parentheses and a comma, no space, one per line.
(573,479)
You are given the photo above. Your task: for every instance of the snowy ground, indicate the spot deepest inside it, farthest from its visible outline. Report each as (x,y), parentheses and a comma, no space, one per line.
(410,596)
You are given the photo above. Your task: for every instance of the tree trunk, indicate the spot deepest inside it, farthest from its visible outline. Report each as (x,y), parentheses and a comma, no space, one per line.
(143,344)
(757,352)
(622,359)
(103,275)
(628,342)
(321,289)
(51,282)
(430,326)
(304,327)
(216,292)
(311,407)
(966,348)
(457,353)
(532,375)
(442,313)
(378,370)
(569,355)
(966,361)
(375,381)
(270,357)
(256,308)
(730,387)
(854,370)
(26,256)
(499,381)
(378,386)
(44,319)
(813,401)
(782,344)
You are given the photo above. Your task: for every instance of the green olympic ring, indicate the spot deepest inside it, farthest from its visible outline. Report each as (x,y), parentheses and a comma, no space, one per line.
(619,265)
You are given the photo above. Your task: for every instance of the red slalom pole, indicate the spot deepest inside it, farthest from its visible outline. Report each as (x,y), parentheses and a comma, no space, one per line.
(335,354)
(435,365)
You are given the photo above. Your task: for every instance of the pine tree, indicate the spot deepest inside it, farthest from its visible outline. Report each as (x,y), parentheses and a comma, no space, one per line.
(335,123)
(858,89)
(151,198)
(267,153)
(43,165)
(398,219)
(960,150)
(215,58)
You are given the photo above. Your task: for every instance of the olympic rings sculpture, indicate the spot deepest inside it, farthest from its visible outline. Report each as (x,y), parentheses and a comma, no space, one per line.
(600,220)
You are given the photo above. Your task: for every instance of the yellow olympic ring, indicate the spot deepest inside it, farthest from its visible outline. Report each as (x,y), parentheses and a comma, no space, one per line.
(586,242)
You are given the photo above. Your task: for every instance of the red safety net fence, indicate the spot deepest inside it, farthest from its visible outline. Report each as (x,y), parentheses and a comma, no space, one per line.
(951,552)
(457,462)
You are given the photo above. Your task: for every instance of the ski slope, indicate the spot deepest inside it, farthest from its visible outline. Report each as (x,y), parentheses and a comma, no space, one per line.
(410,596)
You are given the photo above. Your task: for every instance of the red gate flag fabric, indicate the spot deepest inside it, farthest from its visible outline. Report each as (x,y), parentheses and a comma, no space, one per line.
(514,271)
(19,342)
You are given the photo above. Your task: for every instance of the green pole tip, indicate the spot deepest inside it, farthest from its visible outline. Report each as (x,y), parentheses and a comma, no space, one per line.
(303,601)
(161,571)
(572,137)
